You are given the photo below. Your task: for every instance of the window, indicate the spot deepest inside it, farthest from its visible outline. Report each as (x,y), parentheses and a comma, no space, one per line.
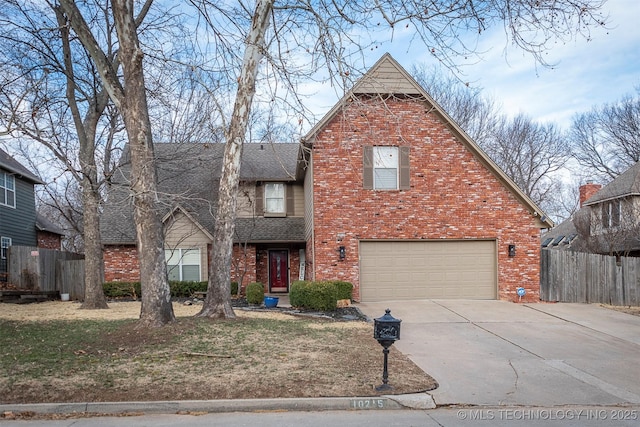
(386,168)
(274,201)
(611,214)
(5,242)
(7,190)
(183,264)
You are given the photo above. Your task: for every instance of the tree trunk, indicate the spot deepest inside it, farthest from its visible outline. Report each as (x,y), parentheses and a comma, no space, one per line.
(217,304)
(156,296)
(86,130)
(94,263)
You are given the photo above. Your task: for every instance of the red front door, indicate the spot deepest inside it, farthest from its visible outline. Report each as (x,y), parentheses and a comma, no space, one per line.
(279,271)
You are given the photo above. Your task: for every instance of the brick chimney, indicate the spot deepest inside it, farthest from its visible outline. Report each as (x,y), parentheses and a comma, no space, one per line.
(587,190)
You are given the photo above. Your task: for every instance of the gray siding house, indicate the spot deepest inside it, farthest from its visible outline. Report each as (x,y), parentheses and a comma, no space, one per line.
(17,207)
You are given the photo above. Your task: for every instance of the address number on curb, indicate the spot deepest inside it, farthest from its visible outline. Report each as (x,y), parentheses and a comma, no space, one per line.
(367,403)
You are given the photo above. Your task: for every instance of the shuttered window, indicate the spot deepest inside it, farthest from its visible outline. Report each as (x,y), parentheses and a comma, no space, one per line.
(385,168)
(274,199)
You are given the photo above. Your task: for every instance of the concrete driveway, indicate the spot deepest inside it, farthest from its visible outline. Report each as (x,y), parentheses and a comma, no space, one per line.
(502,353)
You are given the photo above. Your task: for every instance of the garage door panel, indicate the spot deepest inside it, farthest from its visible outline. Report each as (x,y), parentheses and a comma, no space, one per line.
(432,269)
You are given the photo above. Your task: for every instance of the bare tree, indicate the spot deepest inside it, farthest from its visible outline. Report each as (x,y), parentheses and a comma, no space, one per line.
(54,100)
(131,100)
(477,115)
(529,153)
(606,140)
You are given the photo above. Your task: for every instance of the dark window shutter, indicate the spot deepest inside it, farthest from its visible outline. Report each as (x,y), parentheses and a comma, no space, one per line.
(288,193)
(367,167)
(259,199)
(404,169)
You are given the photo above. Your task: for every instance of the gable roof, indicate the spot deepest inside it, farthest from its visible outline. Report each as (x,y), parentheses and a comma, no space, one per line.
(12,165)
(188,177)
(625,185)
(44,224)
(388,77)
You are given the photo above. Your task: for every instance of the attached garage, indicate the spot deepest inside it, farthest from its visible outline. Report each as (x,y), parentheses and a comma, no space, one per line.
(397,270)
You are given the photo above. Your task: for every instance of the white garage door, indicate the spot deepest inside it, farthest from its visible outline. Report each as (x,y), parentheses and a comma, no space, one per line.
(427,269)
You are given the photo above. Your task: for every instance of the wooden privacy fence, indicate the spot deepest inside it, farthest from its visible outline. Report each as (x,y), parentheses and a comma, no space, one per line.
(41,269)
(568,276)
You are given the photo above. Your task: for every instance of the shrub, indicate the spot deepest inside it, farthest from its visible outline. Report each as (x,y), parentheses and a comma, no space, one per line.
(121,289)
(298,293)
(255,293)
(320,296)
(186,289)
(234,288)
(344,290)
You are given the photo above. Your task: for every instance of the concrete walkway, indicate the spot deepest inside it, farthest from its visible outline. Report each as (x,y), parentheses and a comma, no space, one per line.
(502,353)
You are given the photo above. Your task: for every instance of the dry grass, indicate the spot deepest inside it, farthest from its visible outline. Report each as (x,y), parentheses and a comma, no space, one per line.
(55,352)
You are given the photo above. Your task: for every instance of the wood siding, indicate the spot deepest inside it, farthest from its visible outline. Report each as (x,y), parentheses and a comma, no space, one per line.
(19,223)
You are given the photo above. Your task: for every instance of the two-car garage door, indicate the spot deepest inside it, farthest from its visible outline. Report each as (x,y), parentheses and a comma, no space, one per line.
(396,270)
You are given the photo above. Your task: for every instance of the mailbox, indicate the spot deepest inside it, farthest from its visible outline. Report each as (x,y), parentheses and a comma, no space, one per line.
(386,329)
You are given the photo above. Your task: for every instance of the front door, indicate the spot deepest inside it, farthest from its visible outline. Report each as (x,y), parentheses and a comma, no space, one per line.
(279,271)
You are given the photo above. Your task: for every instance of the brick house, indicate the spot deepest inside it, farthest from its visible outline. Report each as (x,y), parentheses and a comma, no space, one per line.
(386,192)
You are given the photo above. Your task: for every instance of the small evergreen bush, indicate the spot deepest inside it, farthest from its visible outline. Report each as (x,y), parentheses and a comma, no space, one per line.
(255,293)
(121,289)
(321,296)
(186,289)
(344,289)
(298,293)
(234,288)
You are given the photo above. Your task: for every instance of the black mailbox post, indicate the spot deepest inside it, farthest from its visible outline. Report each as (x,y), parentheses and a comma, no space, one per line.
(386,330)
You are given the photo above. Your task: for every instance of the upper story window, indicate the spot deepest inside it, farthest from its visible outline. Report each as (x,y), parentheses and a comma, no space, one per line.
(274,198)
(183,264)
(386,168)
(5,242)
(7,190)
(611,214)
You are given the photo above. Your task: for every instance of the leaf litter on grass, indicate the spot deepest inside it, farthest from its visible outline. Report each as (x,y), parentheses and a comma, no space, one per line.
(258,355)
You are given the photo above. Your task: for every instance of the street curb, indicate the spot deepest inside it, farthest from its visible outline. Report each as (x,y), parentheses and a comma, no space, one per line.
(408,401)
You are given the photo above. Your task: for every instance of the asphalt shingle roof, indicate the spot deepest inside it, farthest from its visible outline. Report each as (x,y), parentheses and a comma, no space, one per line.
(626,184)
(188,176)
(12,165)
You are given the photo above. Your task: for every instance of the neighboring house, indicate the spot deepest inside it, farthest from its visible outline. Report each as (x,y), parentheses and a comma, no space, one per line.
(386,192)
(608,221)
(49,235)
(17,207)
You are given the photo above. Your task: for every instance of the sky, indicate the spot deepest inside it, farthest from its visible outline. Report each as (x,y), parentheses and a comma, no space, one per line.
(586,74)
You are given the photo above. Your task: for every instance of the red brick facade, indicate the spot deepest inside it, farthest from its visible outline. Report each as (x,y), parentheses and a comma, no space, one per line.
(121,264)
(48,240)
(452,195)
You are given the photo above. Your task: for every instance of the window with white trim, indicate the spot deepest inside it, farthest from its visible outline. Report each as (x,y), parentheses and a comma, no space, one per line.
(5,242)
(274,198)
(7,190)
(183,264)
(385,168)
(611,214)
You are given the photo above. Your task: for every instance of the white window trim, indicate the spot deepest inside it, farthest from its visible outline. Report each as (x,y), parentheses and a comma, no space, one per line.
(169,253)
(281,212)
(6,189)
(379,161)
(5,242)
